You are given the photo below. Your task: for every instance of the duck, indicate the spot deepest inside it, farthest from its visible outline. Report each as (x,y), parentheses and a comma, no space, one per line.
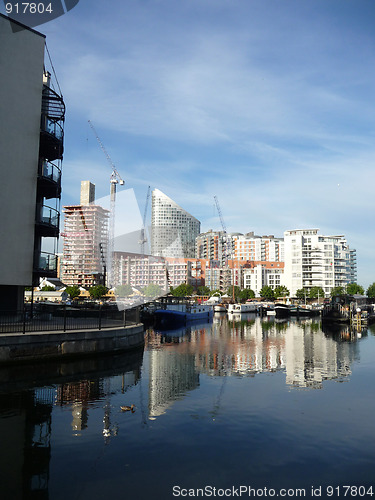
(128,408)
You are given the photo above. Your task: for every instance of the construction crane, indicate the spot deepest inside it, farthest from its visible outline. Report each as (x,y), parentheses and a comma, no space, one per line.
(114,180)
(227,245)
(143,238)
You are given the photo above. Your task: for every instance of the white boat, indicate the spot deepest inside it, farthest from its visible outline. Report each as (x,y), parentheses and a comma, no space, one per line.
(220,308)
(241,308)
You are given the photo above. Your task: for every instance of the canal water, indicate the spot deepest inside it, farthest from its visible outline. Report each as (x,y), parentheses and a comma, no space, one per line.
(242,406)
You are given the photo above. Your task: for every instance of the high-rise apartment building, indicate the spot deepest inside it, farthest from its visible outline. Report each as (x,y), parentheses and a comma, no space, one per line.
(315,260)
(217,245)
(258,248)
(173,230)
(31,136)
(85,241)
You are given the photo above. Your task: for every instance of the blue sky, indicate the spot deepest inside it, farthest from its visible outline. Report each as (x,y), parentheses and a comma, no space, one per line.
(267,104)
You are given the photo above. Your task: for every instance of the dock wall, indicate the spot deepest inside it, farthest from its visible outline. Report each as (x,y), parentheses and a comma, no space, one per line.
(63,345)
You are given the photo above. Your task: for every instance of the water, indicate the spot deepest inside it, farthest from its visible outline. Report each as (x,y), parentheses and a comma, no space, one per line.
(229,404)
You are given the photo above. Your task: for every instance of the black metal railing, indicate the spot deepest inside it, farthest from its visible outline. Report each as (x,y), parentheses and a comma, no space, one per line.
(41,317)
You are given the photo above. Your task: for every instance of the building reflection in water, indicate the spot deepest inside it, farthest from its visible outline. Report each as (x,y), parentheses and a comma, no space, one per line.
(25,436)
(245,347)
(26,414)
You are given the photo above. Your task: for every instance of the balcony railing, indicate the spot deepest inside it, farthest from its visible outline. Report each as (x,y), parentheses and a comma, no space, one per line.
(52,127)
(47,263)
(50,171)
(48,216)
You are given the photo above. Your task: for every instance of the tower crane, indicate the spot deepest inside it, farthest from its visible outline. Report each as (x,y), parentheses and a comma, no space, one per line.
(227,243)
(227,250)
(114,180)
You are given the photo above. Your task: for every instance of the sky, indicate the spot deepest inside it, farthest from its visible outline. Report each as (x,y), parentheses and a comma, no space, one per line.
(266,104)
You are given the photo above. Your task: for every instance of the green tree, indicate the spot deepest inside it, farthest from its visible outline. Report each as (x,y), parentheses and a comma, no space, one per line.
(183,290)
(203,290)
(48,288)
(315,292)
(73,291)
(338,291)
(371,291)
(301,293)
(98,291)
(237,292)
(246,294)
(215,293)
(123,290)
(353,289)
(267,293)
(281,291)
(152,290)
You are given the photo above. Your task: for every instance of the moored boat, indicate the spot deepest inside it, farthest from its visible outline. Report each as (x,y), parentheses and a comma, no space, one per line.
(180,312)
(220,308)
(242,308)
(282,310)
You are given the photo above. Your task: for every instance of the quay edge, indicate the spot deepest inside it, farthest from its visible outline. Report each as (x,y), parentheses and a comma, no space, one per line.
(40,346)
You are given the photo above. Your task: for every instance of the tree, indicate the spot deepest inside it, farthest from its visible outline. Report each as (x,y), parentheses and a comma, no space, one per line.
(152,290)
(338,291)
(183,290)
(281,291)
(246,294)
(215,293)
(301,293)
(123,290)
(203,290)
(47,288)
(353,289)
(73,291)
(237,292)
(371,291)
(97,291)
(267,293)
(316,292)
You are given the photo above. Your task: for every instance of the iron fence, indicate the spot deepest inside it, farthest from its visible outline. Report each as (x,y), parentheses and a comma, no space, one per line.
(51,317)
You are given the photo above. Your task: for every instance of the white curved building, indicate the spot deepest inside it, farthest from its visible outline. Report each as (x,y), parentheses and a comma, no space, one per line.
(173,230)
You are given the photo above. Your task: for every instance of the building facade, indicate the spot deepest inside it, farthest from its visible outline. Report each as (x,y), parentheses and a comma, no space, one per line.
(173,230)
(32,118)
(315,260)
(84,261)
(250,247)
(256,275)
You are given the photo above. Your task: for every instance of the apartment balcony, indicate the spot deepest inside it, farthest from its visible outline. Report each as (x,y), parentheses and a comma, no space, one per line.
(47,221)
(49,180)
(45,265)
(51,126)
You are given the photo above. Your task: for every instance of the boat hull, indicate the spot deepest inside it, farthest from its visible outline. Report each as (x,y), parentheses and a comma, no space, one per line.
(165,318)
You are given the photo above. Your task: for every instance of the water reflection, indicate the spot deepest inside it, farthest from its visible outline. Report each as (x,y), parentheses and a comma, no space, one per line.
(246,347)
(82,399)
(26,415)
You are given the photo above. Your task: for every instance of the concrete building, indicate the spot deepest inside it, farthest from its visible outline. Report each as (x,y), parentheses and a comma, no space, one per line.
(256,275)
(211,245)
(85,241)
(31,150)
(315,260)
(173,230)
(250,247)
(139,270)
